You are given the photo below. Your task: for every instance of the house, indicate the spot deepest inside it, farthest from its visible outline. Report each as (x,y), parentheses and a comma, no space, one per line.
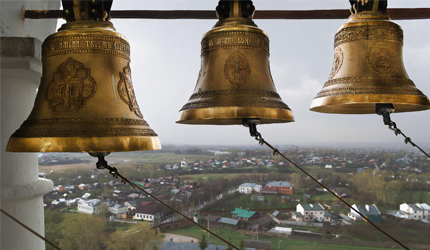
(264,221)
(314,191)
(257,244)
(116,193)
(248,188)
(212,220)
(311,212)
(342,192)
(245,215)
(228,223)
(284,187)
(371,212)
(426,210)
(146,212)
(269,190)
(90,206)
(118,209)
(412,211)
(297,216)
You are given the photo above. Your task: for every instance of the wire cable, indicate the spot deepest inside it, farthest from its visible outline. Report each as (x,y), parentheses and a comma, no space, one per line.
(29,229)
(261,141)
(114,172)
(392,125)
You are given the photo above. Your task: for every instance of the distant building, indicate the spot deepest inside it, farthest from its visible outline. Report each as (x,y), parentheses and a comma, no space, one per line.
(248,188)
(412,211)
(310,212)
(245,215)
(184,163)
(371,212)
(90,206)
(146,212)
(284,187)
(426,210)
(118,209)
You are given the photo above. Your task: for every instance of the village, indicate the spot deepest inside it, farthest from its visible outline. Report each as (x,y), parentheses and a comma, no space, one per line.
(255,192)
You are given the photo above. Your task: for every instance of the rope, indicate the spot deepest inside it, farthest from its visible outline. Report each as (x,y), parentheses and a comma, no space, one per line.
(29,229)
(114,172)
(276,151)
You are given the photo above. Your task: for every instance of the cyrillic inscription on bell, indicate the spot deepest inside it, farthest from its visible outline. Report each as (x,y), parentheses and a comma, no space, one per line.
(368,68)
(234,81)
(86,101)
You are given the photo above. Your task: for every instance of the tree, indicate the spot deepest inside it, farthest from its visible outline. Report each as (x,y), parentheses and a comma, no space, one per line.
(82,232)
(229,247)
(203,244)
(242,245)
(297,180)
(140,237)
(53,220)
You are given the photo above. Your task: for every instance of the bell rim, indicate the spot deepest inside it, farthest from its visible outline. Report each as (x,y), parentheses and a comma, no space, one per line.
(83,144)
(233,115)
(365,104)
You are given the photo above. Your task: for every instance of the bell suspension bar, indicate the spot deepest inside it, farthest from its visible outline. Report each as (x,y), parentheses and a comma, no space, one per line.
(394,14)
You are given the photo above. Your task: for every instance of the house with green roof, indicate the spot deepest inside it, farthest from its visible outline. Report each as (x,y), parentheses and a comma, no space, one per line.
(245,214)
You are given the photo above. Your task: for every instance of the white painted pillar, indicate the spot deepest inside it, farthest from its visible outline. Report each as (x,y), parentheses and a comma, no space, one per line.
(21,188)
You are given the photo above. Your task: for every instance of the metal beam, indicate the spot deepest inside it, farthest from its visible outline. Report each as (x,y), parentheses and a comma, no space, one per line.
(395,14)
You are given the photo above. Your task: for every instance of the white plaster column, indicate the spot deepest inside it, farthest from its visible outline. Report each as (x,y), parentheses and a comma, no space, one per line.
(21,188)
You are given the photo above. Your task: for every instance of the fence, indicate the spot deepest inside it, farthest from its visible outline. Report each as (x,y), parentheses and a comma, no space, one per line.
(360,243)
(297,223)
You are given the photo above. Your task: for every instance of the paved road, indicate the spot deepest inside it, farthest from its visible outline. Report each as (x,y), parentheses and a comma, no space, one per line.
(179,238)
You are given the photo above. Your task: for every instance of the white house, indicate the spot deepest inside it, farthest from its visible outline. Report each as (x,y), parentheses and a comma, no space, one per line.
(426,210)
(312,212)
(146,212)
(247,188)
(90,206)
(414,212)
(118,209)
(371,212)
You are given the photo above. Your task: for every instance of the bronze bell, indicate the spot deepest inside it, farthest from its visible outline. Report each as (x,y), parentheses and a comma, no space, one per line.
(234,81)
(85,101)
(368,67)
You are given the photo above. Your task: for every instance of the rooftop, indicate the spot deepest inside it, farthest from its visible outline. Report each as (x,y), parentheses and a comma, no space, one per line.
(313,207)
(279,184)
(243,213)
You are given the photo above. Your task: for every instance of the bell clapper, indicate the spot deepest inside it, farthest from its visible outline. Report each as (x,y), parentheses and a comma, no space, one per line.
(385,109)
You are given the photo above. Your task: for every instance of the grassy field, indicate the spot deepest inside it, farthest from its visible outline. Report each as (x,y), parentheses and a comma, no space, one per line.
(285,243)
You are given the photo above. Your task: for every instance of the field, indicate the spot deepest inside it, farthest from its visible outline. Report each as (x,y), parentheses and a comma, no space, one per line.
(285,243)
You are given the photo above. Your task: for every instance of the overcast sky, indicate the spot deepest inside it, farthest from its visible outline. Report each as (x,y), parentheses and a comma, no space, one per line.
(165,61)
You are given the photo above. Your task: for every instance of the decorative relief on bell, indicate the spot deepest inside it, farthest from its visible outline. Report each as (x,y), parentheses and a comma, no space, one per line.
(126,91)
(70,88)
(379,32)
(380,58)
(237,70)
(337,62)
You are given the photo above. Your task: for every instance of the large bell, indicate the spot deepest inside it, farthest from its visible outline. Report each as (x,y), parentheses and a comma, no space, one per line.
(368,68)
(85,101)
(234,80)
